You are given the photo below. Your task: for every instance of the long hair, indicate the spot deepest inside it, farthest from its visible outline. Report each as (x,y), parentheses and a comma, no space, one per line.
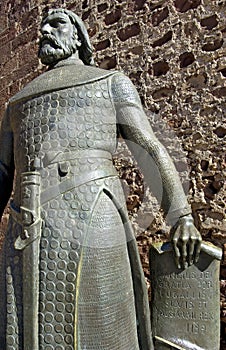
(85,50)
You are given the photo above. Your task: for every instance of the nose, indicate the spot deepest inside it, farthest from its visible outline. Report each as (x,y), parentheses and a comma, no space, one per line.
(45,29)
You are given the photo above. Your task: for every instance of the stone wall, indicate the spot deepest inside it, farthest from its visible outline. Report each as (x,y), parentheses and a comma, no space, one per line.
(174,53)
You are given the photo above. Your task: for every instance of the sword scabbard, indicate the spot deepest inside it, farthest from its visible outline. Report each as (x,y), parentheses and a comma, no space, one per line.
(28,241)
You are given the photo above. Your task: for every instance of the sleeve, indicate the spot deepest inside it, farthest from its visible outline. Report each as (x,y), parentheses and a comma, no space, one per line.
(6,161)
(152,157)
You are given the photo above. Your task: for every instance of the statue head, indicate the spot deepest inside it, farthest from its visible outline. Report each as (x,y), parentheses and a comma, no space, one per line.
(63,35)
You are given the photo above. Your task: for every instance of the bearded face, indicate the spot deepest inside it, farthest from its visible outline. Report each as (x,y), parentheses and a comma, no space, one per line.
(59,39)
(52,50)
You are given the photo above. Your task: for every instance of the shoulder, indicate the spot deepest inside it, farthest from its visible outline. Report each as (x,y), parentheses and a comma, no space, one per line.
(123,90)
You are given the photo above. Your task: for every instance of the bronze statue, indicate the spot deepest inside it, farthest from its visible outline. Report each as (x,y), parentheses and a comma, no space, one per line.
(71,274)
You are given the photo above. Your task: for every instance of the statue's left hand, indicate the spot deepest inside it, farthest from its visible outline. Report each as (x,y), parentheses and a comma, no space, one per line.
(186,241)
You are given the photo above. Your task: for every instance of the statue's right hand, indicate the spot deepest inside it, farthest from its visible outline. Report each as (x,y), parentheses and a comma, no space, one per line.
(186,241)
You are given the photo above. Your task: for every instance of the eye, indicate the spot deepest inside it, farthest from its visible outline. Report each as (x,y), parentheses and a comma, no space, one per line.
(54,23)
(57,22)
(61,21)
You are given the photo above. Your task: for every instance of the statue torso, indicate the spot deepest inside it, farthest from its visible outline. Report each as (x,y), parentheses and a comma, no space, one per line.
(67,121)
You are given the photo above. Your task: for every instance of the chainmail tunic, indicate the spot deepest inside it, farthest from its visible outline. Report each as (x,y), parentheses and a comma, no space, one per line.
(86,297)
(87,285)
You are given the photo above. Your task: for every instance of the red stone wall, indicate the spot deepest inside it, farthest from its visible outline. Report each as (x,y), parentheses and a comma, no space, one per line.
(174,52)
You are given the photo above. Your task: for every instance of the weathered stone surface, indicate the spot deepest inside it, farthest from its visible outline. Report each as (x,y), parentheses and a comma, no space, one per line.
(185,314)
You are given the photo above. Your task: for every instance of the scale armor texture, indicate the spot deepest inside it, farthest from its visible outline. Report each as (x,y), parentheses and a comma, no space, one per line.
(90,277)
(86,297)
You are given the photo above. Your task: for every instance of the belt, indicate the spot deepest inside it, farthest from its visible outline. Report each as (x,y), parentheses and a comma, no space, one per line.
(55,157)
(65,186)
(73,182)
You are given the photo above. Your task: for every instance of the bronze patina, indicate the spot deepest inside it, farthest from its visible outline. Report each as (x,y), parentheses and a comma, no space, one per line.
(71,274)
(185,300)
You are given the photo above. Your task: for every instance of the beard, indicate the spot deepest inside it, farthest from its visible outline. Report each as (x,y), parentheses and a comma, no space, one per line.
(51,51)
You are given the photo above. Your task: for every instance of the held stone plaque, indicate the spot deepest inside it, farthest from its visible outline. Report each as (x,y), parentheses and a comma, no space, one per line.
(185,303)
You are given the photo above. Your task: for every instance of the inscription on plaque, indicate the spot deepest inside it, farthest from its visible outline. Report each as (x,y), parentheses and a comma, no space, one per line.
(185,303)
(181,302)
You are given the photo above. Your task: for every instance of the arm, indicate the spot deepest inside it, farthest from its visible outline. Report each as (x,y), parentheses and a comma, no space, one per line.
(6,162)
(158,169)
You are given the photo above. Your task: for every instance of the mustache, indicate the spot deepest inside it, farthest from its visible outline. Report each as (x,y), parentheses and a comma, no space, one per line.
(50,39)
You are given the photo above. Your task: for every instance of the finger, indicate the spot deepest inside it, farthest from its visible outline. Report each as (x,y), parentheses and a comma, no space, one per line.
(177,258)
(197,249)
(191,252)
(177,252)
(184,254)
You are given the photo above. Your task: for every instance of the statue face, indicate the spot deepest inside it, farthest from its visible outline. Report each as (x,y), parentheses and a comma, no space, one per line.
(59,38)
